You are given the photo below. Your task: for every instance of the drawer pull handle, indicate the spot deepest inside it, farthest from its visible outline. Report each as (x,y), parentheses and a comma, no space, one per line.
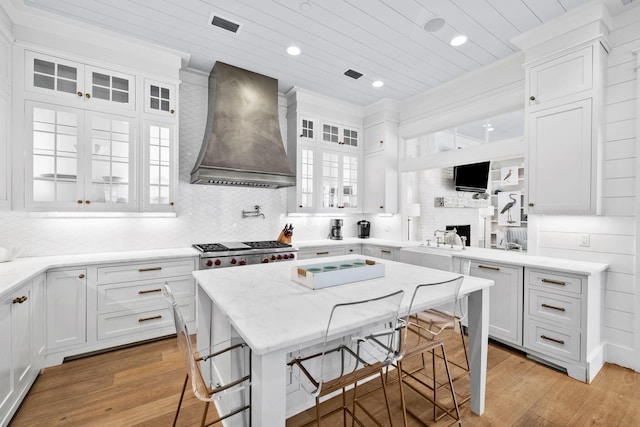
(81,276)
(142,270)
(553,307)
(544,337)
(554,282)
(385,251)
(322,253)
(149,291)
(486,267)
(145,319)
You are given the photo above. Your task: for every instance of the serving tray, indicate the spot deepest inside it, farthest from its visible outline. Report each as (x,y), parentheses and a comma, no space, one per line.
(324,275)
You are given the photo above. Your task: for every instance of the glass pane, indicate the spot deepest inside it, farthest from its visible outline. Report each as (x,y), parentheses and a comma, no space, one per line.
(101,79)
(122,97)
(164,105)
(155,91)
(120,150)
(44,191)
(67,143)
(164,154)
(154,174)
(164,93)
(68,119)
(43,141)
(154,103)
(46,82)
(44,115)
(66,166)
(120,126)
(164,135)
(164,175)
(121,84)
(67,86)
(154,131)
(101,93)
(66,72)
(154,153)
(44,67)
(43,165)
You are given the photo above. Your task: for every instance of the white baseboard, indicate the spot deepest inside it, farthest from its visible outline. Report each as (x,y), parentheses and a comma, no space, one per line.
(620,355)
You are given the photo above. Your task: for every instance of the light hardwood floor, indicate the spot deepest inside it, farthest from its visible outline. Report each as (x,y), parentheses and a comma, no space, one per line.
(140,386)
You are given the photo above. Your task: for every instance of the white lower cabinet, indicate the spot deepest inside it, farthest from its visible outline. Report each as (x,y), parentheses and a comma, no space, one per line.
(553,316)
(505,317)
(379,252)
(17,368)
(66,308)
(321,252)
(107,305)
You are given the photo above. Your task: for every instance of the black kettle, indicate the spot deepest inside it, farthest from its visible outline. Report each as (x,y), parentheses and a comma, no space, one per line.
(364,228)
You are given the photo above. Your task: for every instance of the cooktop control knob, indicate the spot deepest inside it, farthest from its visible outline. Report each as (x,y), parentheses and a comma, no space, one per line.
(218,262)
(266,260)
(242,262)
(285,256)
(279,256)
(292,256)
(273,257)
(234,261)
(209,263)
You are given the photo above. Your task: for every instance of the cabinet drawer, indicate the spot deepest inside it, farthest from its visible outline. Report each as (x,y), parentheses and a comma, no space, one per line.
(146,270)
(141,321)
(557,282)
(560,309)
(553,341)
(127,296)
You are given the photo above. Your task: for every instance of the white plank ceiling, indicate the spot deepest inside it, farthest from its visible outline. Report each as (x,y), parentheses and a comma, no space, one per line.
(383,39)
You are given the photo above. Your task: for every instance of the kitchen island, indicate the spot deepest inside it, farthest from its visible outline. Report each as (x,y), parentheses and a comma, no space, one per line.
(277,317)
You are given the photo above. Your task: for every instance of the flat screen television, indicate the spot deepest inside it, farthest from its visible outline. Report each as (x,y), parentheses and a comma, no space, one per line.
(473,177)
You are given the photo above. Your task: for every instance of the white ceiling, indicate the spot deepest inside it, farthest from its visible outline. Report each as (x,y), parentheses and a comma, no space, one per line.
(383,39)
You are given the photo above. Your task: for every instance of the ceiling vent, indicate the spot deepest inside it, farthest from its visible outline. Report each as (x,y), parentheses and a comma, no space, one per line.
(353,74)
(223,23)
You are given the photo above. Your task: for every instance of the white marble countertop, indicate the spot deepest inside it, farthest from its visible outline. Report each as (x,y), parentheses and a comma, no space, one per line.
(514,257)
(272,312)
(303,244)
(19,270)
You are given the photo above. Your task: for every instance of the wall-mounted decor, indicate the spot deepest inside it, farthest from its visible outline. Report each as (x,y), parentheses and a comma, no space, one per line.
(509,175)
(509,208)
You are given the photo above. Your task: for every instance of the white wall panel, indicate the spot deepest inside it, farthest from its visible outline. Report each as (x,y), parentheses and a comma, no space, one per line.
(623,110)
(618,206)
(621,282)
(617,130)
(619,301)
(621,149)
(619,187)
(620,168)
(624,91)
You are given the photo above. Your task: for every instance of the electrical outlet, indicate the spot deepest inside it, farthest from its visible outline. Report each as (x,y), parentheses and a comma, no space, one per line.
(585,240)
(438,202)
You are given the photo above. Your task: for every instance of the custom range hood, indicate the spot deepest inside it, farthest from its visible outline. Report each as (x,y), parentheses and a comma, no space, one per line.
(242,143)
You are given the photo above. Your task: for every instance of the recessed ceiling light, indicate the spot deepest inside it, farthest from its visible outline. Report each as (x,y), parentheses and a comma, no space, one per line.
(433,25)
(305,6)
(293,50)
(458,40)
(377,83)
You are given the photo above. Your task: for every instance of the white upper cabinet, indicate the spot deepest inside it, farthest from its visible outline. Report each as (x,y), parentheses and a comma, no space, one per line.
(339,181)
(554,80)
(79,160)
(160,98)
(341,135)
(564,116)
(308,128)
(160,167)
(380,183)
(77,83)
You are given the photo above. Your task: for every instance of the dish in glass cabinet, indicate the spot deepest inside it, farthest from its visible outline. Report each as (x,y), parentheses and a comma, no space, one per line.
(113,179)
(57,176)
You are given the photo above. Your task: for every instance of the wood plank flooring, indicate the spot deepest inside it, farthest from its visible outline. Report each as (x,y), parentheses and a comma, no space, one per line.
(140,386)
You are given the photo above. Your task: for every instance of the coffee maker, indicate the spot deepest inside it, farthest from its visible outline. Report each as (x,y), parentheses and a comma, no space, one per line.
(336,229)
(364,227)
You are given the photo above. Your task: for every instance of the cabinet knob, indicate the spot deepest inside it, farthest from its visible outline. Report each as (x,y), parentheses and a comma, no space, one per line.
(79,202)
(381,142)
(20,300)
(88,202)
(79,93)
(381,207)
(532,98)
(172,111)
(81,276)
(87,95)
(531,204)
(299,206)
(171,203)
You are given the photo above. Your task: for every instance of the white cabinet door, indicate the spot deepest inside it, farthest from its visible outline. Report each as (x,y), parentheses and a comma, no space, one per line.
(342,135)
(307,129)
(339,181)
(380,184)
(160,98)
(79,160)
(66,308)
(554,80)
(562,160)
(78,84)
(160,171)
(5,162)
(38,307)
(505,315)
(15,352)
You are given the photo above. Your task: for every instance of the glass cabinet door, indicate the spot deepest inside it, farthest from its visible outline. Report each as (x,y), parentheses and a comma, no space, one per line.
(109,88)
(160,167)
(55,151)
(159,98)
(48,74)
(349,182)
(330,179)
(305,191)
(110,175)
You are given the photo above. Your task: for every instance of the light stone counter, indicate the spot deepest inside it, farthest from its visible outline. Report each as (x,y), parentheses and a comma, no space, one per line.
(397,244)
(276,315)
(18,271)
